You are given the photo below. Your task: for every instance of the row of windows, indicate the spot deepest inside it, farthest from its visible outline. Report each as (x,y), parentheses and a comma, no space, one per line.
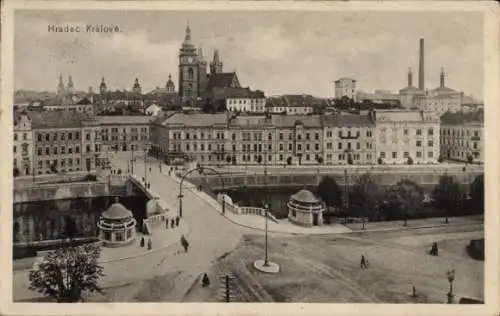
(244,101)
(406,154)
(124,130)
(24,136)
(61,162)
(24,149)
(178,135)
(454,142)
(124,138)
(252,108)
(459,132)
(55,150)
(406,131)
(62,136)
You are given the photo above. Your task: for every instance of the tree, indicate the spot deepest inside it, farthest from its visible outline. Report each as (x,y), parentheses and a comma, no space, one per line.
(409,161)
(403,199)
(289,161)
(440,159)
(329,191)
(67,272)
(364,196)
(319,159)
(446,195)
(380,161)
(477,193)
(228,159)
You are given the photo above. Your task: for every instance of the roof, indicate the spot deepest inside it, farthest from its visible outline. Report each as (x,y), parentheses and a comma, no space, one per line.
(243,93)
(443,89)
(410,89)
(292,120)
(467,99)
(462,118)
(348,119)
(117,211)
(305,196)
(57,119)
(223,80)
(123,120)
(84,101)
(344,79)
(196,119)
(247,121)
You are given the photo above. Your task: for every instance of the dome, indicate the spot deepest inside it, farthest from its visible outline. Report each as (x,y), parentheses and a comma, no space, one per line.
(117,211)
(305,196)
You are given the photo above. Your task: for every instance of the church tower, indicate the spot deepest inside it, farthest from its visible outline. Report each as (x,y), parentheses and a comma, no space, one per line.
(216,64)
(103,88)
(188,69)
(170,86)
(71,86)
(202,72)
(60,87)
(137,87)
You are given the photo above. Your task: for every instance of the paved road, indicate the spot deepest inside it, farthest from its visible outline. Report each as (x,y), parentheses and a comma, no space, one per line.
(211,235)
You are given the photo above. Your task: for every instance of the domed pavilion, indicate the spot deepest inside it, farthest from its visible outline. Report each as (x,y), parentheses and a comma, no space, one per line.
(305,209)
(116,226)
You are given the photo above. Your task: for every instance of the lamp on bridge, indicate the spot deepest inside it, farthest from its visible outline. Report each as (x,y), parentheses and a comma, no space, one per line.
(266,265)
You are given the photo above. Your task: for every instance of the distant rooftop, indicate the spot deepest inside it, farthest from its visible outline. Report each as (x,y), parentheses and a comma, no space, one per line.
(462,118)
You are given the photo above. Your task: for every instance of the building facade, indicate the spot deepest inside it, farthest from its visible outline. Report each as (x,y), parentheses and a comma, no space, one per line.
(349,139)
(245,100)
(345,87)
(64,141)
(23,145)
(407,136)
(124,133)
(462,137)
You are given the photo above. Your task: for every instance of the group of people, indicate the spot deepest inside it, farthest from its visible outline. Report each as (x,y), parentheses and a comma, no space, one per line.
(150,243)
(174,222)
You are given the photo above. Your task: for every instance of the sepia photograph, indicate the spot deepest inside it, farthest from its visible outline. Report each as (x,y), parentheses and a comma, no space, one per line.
(224,155)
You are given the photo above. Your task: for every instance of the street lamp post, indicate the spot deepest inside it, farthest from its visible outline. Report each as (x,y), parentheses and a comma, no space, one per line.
(266,210)
(451,277)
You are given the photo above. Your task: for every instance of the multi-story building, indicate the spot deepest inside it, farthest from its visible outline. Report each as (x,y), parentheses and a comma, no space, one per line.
(404,134)
(299,139)
(294,104)
(349,139)
(251,140)
(124,133)
(23,145)
(345,87)
(245,100)
(64,141)
(198,137)
(462,136)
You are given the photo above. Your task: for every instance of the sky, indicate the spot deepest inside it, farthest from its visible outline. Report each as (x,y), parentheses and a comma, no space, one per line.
(278,52)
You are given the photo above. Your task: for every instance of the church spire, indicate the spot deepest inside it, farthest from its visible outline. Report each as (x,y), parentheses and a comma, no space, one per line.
(103,87)
(216,64)
(60,86)
(187,38)
(441,78)
(71,85)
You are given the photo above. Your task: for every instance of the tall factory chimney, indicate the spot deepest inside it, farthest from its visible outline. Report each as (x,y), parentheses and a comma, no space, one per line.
(421,67)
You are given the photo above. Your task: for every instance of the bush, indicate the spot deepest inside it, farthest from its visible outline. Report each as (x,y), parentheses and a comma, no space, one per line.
(409,161)
(380,161)
(289,161)
(440,159)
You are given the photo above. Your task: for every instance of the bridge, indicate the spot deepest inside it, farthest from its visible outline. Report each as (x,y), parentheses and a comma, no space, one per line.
(426,176)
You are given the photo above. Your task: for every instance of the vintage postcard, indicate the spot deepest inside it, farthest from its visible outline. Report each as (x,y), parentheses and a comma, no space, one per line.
(278,158)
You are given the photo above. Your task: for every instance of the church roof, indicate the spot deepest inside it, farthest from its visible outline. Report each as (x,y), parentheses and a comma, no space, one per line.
(222,80)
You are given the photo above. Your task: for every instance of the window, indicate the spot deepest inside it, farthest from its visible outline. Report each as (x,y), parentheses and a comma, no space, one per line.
(270,136)
(299,137)
(358,146)
(39,151)
(316,136)
(290,148)
(281,157)
(47,151)
(394,155)
(39,137)
(63,150)
(405,131)
(299,147)
(430,154)
(430,132)
(419,143)
(233,136)
(308,147)
(87,148)
(70,136)
(419,154)
(54,137)
(307,136)
(419,131)
(54,150)
(15,149)
(368,133)
(316,146)
(77,135)
(340,145)
(430,143)
(47,137)
(15,136)
(382,154)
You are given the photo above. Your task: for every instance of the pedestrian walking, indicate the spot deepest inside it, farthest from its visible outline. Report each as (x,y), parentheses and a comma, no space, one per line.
(177,219)
(150,244)
(166,223)
(184,243)
(363,263)
(142,242)
(205,280)
(413,291)
(149,169)
(172,223)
